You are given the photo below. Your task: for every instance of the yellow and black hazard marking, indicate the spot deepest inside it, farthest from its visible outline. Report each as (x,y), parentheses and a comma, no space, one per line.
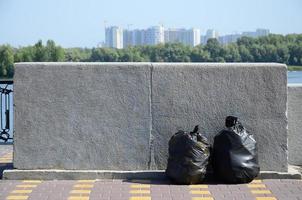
(139,191)
(81,190)
(23,190)
(259,190)
(7,158)
(200,192)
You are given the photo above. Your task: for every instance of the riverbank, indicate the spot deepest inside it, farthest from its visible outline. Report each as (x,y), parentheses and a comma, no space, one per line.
(294,68)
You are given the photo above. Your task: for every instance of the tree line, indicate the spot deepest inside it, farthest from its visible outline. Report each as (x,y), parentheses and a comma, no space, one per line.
(273,48)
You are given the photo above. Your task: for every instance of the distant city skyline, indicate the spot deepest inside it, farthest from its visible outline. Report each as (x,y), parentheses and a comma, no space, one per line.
(81,23)
(119,37)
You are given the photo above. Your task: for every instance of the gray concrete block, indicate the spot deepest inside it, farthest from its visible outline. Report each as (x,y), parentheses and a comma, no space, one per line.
(184,95)
(53,174)
(82,116)
(295,124)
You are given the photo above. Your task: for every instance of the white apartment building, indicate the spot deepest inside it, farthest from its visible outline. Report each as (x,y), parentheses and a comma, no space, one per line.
(151,36)
(258,33)
(195,37)
(114,37)
(226,39)
(185,36)
(211,33)
(154,35)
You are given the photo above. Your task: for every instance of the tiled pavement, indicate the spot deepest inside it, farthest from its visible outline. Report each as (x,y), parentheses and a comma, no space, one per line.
(142,189)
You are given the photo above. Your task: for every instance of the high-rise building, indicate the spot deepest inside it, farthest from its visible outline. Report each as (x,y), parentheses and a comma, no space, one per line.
(138,37)
(114,37)
(211,33)
(226,39)
(154,35)
(262,32)
(194,37)
(189,37)
(257,33)
(174,35)
(127,38)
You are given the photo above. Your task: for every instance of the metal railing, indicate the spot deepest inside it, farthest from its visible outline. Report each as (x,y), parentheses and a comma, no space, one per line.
(6,111)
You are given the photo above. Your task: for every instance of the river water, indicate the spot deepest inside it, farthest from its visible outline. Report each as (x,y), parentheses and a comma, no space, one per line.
(294,77)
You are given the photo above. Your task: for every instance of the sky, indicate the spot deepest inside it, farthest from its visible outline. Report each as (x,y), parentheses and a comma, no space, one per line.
(80,23)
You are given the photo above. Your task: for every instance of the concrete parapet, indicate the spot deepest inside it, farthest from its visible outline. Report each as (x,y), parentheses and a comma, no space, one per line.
(120,116)
(184,95)
(82,116)
(295,124)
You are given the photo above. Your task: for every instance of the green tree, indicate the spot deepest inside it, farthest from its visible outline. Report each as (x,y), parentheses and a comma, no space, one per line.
(6,61)
(245,54)
(104,55)
(53,53)
(215,50)
(24,54)
(39,52)
(232,53)
(198,54)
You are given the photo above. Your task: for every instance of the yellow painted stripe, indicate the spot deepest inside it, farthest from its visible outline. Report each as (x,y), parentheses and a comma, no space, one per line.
(200,192)
(139,192)
(140,198)
(21,191)
(86,181)
(256,181)
(140,186)
(7,155)
(266,198)
(27,186)
(256,186)
(17,197)
(202,198)
(83,186)
(199,186)
(261,192)
(78,198)
(32,181)
(80,192)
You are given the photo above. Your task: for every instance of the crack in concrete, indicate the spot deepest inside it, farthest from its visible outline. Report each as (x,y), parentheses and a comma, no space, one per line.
(151,140)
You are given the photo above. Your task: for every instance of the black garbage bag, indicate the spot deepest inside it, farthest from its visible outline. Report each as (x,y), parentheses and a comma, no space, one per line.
(235,157)
(188,157)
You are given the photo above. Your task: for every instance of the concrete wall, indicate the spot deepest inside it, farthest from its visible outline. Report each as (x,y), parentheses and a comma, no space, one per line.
(82,116)
(295,124)
(120,116)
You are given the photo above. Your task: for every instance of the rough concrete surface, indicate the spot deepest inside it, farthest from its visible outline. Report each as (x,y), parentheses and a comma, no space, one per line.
(295,124)
(120,116)
(81,174)
(82,116)
(184,95)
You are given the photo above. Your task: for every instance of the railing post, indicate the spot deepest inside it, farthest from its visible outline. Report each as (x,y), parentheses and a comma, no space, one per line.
(5,130)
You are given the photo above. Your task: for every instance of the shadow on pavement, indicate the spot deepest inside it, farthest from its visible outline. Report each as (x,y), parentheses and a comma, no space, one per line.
(209,180)
(4,166)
